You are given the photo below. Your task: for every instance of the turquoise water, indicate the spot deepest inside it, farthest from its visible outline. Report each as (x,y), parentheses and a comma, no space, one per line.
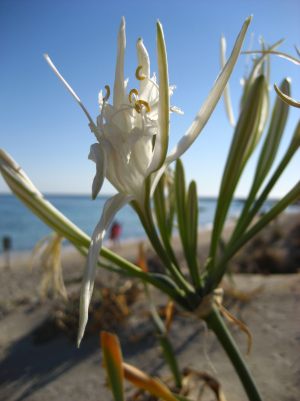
(25,229)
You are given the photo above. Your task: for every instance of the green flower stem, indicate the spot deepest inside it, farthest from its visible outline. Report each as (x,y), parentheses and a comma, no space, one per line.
(217,325)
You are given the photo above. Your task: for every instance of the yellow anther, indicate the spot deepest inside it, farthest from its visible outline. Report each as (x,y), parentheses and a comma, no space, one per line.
(138,73)
(132,92)
(140,103)
(137,107)
(106,97)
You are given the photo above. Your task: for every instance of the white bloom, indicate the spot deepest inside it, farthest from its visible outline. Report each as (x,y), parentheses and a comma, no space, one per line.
(127,128)
(132,136)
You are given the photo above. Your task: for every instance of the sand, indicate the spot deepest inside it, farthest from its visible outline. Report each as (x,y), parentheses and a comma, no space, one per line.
(53,369)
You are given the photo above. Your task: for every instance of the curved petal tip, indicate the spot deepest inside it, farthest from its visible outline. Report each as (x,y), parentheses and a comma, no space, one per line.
(111,207)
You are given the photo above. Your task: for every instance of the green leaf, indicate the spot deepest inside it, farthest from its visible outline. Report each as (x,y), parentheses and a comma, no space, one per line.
(211,101)
(191,223)
(162,139)
(246,136)
(287,99)
(241,234)
(164,211)
(164,204)
(292,196)
(180,196)
(273,138)
(192,217)
(285,56)
(251,211)
(291,150)
(162,334)
(112,357)
(187,217)
(164,92)
(170,201)
(160,207)
(255,72)
(267,154)
(226,93)
(23,188)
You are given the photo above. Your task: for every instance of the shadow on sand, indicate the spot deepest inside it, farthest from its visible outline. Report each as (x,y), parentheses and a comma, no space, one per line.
(28,366)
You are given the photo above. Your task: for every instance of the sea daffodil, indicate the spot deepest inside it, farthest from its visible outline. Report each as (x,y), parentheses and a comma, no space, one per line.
(132,136)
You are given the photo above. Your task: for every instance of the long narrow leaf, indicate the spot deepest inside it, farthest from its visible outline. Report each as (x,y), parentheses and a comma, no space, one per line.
(180,196)
(267,154)
(192,217)
(187,217)
(249,213)
(286,98)
(164,215)
(285,56)
(171,204)
(112,358)
(145,382)
(191,223)
(292,196)
(211,101)
(255,72)
(28,194)
(226,93)
(273,138)
(163,337)
(161,142)
(247,134)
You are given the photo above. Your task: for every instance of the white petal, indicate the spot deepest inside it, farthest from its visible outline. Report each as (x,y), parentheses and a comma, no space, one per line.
(100,99)
(211,101)
(98,155)
(227,100)
(69,88)
(111,207)
(177,110)
(162,139)
(119,87)
(144,61)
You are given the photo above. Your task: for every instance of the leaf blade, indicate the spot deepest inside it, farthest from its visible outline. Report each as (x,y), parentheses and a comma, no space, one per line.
(112,357)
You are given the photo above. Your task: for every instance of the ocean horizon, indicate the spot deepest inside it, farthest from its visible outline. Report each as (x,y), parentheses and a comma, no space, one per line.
(25,229)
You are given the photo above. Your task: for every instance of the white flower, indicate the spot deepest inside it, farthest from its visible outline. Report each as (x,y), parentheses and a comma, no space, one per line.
(132,136)
(127,129)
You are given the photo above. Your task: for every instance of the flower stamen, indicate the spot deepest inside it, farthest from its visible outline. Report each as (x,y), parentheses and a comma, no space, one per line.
(138,73)
(139,104)
(107,94)
(131,93)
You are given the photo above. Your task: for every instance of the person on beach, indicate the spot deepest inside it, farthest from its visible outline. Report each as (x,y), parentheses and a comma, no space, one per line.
(115,233)
(6,245)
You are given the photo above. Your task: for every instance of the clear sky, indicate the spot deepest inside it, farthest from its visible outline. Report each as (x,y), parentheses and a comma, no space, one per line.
(43,128)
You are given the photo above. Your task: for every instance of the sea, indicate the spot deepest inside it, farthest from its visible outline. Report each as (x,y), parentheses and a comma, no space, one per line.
(25,229)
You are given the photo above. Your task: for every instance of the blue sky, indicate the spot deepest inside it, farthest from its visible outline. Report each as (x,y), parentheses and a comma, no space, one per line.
(46,132)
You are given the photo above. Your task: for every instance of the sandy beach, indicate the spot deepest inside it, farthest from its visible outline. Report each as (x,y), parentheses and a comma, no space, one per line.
(40,363)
